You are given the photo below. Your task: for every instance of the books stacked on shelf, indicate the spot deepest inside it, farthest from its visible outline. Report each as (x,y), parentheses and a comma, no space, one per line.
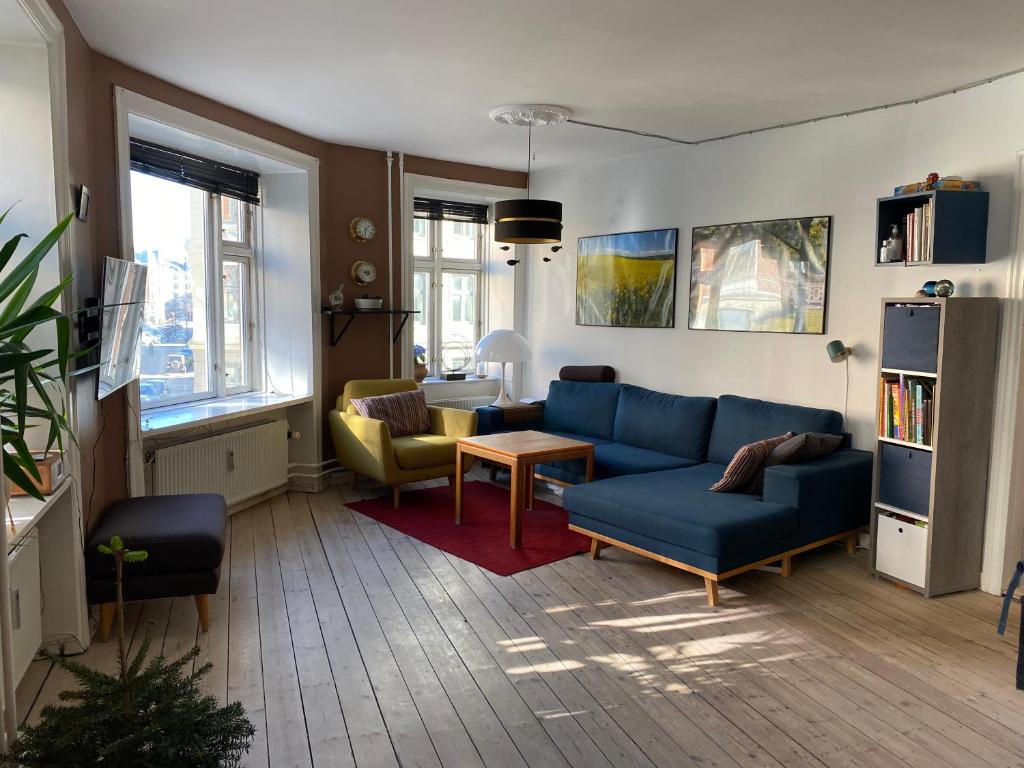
(905,410)
(918,242)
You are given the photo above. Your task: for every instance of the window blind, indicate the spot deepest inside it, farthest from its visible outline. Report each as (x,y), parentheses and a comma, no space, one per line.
(449,210)
(193,171)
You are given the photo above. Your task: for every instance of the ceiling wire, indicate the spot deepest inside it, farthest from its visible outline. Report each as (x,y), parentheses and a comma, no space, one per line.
(805,121)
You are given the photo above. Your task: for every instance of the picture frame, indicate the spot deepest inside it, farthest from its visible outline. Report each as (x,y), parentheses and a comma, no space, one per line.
(627,279)
(766,276)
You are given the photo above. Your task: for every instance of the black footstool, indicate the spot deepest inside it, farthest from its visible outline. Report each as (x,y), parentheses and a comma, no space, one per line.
(184,536)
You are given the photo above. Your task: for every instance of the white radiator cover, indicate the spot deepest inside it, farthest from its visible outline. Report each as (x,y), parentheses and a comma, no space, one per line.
(462,403)
(238,465)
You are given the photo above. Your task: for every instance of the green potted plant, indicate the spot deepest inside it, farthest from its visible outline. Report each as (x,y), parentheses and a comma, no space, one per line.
(43,372)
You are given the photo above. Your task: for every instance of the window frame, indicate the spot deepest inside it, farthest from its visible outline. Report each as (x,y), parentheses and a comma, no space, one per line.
(438,266)
(217,252)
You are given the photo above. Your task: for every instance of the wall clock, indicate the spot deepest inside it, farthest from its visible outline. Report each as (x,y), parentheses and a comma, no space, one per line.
(362,229)
(364,273)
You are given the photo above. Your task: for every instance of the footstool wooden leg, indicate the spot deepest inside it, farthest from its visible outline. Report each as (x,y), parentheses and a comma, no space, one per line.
(851,544)
(203,609)
(787,566)
(107,613)
(711,587)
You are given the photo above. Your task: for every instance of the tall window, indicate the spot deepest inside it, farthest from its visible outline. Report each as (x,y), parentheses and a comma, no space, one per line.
(198,336)
(448,247)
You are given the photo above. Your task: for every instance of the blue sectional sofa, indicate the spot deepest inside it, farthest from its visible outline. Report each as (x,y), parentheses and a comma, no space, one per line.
(656,455)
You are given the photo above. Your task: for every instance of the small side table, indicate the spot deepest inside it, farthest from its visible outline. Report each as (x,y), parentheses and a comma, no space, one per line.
(521,452)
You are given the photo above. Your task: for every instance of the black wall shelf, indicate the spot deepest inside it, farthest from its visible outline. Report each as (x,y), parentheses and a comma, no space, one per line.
(959,225)
(351,315)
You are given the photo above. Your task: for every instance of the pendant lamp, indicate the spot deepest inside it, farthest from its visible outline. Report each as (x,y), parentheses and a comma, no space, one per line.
(527,221)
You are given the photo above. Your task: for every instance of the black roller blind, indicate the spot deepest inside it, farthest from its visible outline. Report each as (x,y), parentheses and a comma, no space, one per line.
(449,210)
(193,171)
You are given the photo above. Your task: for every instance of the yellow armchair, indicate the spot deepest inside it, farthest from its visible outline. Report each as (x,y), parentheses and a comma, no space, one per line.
(366,447)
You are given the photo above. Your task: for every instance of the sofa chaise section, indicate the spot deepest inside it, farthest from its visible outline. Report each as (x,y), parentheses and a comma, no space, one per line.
(672,517)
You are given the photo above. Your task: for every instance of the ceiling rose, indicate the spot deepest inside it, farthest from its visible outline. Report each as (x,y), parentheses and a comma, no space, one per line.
(523,115)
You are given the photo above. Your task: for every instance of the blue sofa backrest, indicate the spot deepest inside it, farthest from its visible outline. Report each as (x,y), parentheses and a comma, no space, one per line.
(582,408)
(742,420)
(673,424)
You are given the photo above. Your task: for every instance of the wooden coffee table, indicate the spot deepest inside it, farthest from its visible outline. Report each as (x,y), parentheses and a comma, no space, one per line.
(520,451)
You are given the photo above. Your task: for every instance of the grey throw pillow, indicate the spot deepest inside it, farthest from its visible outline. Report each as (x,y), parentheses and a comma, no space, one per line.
(804,447)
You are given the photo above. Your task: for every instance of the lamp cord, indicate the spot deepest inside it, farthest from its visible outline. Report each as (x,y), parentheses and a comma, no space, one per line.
(846,399)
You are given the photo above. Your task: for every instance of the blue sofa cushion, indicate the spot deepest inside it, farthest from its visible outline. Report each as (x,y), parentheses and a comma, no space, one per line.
(743,420)
(672,424)
(614,459)
(675,507)
(583,408)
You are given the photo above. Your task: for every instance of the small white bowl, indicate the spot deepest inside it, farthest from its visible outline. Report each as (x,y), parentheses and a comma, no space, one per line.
(369,303)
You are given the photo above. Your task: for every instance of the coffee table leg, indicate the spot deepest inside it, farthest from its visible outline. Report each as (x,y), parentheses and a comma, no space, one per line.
(458,484)
(590,466)
(529,486)
(518,494)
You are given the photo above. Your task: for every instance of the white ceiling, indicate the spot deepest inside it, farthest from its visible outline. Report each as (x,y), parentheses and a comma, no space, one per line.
(15,25)
(420,77)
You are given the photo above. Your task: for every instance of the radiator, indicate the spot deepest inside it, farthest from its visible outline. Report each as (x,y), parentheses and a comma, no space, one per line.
(463,403)
(238,465)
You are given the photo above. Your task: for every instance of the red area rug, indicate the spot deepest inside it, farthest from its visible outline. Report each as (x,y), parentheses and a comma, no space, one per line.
(429,515)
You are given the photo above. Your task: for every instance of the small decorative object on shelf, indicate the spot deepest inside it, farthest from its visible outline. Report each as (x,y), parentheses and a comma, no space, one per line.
(337,297)
(943,288)
(419,369)
(892,248)
(934,181)
(366,301)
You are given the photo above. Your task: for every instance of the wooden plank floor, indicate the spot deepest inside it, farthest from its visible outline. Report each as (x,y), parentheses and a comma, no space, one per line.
(351,644)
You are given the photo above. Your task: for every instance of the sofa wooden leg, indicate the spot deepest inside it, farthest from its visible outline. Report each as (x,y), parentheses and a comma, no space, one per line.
(396,494)
(851,544)
(203,609)
(595,548)
(787,567)
(107,613)
(711,587)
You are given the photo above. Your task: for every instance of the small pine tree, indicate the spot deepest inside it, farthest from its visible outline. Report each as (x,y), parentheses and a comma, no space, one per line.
(151,714)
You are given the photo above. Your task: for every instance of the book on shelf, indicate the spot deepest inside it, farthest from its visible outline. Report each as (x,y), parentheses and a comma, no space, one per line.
(906,410)
(918,226)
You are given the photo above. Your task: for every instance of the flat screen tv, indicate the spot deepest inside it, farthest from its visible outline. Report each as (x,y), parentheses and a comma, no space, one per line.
(123,305)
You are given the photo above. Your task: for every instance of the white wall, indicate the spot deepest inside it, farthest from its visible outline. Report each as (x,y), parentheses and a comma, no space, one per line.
(836,167)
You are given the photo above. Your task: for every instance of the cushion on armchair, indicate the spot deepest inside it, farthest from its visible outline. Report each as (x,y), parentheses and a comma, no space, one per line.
(405,413)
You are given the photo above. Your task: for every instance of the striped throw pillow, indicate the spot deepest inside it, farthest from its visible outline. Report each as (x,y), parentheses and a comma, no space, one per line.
(746,464)
(405,413)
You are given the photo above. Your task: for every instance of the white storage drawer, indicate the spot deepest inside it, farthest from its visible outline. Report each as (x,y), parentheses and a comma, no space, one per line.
(902,550)
(26,618)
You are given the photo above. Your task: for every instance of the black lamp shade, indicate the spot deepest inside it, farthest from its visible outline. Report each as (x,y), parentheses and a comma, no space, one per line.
(528,222)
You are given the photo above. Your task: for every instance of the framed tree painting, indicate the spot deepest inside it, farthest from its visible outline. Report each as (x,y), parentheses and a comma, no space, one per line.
(627,280)
(768,276)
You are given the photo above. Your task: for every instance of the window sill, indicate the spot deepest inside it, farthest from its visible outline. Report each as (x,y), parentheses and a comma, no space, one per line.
(160,421)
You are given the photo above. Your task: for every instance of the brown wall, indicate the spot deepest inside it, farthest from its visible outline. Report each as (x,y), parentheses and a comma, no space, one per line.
(353,182)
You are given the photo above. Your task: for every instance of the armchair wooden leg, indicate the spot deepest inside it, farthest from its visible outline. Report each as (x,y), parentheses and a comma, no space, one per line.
(203,609)
(711,587)
(851,544)
(493,473)
(787,567)
(355,479)
(107,613)
(595,548)
(451,484)
(396,492)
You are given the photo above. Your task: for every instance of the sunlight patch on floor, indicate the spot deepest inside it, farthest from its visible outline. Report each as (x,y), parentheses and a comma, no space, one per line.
(545,668)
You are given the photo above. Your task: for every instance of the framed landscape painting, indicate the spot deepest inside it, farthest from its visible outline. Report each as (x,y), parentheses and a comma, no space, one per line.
(769,276)
(627,280)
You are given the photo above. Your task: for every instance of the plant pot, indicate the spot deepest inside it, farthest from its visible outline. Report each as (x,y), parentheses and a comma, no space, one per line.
(419,372)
